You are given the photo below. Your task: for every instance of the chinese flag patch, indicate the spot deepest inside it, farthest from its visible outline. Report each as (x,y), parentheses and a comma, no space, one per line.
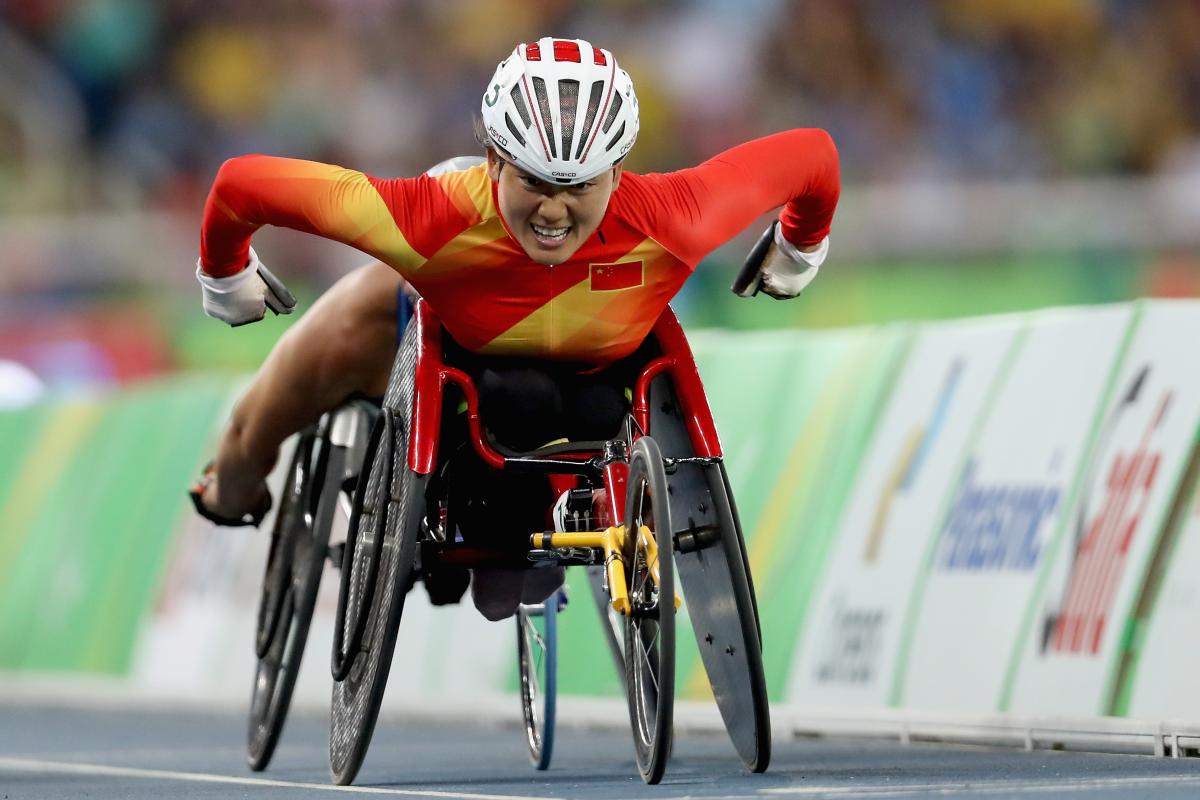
(610,277)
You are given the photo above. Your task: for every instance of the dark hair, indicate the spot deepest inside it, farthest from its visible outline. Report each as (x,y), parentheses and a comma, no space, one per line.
(481,135)
(481,138)
(485,141)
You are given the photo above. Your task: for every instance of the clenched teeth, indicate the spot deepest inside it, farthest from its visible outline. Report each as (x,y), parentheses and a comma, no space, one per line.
(550,233)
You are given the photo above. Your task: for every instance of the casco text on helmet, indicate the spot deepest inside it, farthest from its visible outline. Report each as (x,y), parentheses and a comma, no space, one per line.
(562,109)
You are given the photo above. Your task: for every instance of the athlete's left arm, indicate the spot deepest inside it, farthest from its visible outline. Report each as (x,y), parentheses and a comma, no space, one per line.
(694,211)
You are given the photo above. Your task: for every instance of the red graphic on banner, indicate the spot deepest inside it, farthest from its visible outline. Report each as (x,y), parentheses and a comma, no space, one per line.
(1101,555)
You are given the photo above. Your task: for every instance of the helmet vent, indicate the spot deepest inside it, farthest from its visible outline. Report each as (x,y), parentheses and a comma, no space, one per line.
(566,51)
(519,102)
(612,112)
(543,101)
(616,138)
(512,128)
(568,104)
(592,108)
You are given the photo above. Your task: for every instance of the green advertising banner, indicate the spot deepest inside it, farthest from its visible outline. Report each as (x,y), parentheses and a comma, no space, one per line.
(91,493)
(792,459)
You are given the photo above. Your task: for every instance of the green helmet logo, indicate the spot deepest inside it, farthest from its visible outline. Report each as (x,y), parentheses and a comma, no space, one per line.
(494,98)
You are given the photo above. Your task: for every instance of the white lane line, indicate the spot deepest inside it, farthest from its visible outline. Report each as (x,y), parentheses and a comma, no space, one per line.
(982,788)
(36,765)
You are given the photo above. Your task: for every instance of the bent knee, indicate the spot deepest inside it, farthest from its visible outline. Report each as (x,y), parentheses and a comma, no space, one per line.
(346,343)
(355,352)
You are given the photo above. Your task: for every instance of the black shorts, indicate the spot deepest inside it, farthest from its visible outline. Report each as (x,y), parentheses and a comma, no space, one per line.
(526,404)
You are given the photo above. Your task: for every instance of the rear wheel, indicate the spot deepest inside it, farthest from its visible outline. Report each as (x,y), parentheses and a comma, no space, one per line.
(293,575)
(537,655)
(377,571)
(650,625)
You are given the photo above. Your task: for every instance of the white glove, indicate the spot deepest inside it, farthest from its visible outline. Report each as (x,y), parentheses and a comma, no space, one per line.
(788,269)
(244,297)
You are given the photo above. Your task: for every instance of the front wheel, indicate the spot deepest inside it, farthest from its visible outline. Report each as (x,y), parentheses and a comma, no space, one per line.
(377,572)
(537,656)
(293,575)
(650,622)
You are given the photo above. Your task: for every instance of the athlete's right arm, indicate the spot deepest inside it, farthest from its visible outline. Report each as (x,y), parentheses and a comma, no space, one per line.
(326,200)
(398,221)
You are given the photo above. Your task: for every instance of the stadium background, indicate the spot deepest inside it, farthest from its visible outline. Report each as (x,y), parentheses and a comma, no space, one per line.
(996,155)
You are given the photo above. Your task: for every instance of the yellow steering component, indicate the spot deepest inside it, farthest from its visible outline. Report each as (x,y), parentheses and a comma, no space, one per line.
(612,541)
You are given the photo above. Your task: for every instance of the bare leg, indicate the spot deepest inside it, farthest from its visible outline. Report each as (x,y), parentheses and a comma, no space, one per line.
(344,344)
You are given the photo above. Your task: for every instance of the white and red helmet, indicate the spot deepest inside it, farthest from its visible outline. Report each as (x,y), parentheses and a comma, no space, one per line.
(561,109)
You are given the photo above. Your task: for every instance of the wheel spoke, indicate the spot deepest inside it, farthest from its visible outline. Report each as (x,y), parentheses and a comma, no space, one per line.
(639,577)
(645,652)
(531,686)
(534,662)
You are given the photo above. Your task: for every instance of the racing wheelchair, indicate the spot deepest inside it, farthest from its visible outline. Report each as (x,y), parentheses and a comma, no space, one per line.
(643,507)
(323,476)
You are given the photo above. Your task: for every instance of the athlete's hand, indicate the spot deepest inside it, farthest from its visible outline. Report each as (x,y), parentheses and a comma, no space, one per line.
(787,269)
(244,297)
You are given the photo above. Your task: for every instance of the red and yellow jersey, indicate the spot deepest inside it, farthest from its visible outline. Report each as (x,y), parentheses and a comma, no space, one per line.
(447,238)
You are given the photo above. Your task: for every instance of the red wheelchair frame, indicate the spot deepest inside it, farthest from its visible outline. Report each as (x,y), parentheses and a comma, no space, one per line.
(667,454)
(432,375)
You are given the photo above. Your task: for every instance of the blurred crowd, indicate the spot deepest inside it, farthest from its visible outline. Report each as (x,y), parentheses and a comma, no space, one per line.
(116,114)
(134,103)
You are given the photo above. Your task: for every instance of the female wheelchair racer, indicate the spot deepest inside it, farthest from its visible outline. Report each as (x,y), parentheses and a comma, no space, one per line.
(536,255)
(404,523)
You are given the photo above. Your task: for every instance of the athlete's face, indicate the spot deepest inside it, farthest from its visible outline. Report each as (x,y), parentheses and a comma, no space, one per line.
(550,221)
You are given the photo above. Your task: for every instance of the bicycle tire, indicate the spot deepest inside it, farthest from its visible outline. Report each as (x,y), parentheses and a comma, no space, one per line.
(356,699)
(293,501)
(538,676)
(650,624)
(356,590)
(275,676)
